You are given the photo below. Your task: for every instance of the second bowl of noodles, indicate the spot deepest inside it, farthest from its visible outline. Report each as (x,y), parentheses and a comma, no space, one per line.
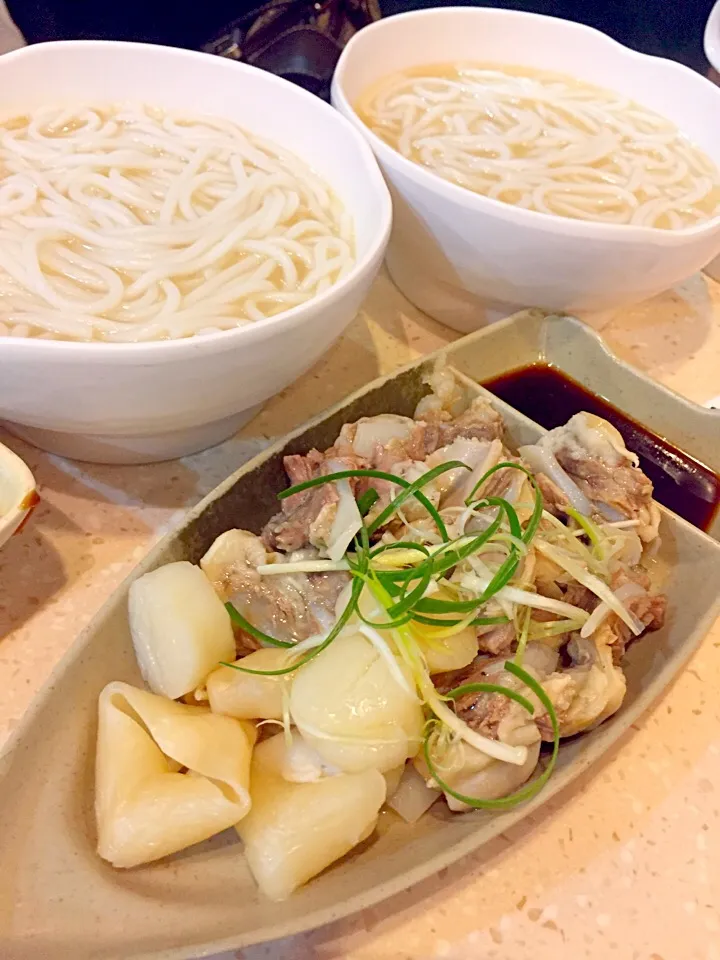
(532,161)
(181,238)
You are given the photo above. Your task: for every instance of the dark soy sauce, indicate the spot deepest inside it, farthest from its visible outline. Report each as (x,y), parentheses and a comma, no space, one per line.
(549,397)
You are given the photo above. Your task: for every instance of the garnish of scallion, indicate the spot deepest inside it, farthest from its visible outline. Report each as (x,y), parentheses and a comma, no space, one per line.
(399,576)
(531,789)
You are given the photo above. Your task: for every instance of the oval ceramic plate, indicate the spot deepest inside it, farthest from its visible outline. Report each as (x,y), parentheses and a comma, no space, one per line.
(59,900)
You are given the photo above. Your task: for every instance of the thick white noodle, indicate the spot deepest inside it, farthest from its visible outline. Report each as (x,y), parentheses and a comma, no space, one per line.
(546,143)
(129,224)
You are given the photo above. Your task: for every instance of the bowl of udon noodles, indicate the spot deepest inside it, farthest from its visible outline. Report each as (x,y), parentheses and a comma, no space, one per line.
(532,161)
(181,237)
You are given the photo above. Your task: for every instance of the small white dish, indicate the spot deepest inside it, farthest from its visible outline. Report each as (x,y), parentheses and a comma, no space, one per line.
(18,495)
(460,256)
(139,402)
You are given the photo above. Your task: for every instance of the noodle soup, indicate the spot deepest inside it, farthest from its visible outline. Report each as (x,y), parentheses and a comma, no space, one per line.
(545,142)
(127,223)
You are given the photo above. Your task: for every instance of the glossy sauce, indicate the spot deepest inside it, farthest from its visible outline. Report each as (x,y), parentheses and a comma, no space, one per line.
(550,398)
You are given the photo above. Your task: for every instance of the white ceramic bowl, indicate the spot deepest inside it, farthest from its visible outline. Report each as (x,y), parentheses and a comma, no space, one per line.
(153,401)
(712,52)
(458,255)
(712,37)
(18,495)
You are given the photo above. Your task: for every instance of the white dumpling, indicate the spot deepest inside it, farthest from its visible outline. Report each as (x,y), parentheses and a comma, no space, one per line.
(249,696)
(349,705)
(145,807)
(296,830)
(180,628)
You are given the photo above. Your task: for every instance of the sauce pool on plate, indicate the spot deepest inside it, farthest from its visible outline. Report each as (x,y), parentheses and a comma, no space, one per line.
(681,483)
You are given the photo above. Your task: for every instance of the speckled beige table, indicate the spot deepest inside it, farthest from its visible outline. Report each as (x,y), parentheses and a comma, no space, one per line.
(624,867)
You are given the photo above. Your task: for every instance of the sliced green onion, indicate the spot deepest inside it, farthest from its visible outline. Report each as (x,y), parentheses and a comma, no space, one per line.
(593,533)
(412,489)
(448,555)
(245,625)
(531,789)
(367,501)
(385,624)
(451,557)
(536,516)
(466,688)
(501,577)
(507,539)
(552,628)
(377,475)
(450,629)
(411,653)
(362,541)
(523,635)
(409,600)
(442,557)
(510,512)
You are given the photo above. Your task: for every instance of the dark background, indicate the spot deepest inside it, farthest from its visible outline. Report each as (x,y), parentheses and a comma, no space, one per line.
(671,28)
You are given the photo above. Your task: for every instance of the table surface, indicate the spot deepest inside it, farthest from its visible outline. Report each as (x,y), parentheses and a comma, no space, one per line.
(625,866)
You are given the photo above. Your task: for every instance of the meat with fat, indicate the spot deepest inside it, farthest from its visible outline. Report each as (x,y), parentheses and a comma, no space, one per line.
(307,517)
(287,607)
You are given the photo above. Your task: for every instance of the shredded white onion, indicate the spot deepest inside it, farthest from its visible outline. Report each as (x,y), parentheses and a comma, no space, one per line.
(593,583)
(302,566)
(542,460)
(603,610)
(526,598)
(347,519)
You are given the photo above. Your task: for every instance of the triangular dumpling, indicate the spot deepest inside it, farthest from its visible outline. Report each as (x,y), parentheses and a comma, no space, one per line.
(146,808)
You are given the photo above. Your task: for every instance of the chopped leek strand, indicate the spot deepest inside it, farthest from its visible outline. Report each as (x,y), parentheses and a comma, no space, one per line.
(413,489)
(367,501)
(245,625)
(303,566)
